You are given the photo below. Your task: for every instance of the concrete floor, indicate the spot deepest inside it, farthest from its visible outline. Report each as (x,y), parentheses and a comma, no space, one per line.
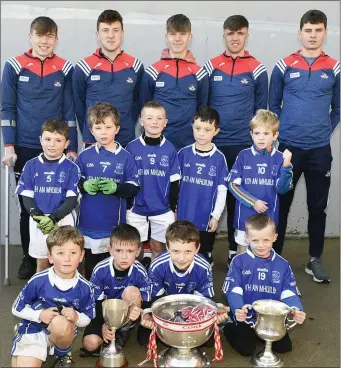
(315,343)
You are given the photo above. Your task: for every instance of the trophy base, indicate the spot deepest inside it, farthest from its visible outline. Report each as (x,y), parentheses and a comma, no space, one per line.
(183,357)
(101,363)
(266,359)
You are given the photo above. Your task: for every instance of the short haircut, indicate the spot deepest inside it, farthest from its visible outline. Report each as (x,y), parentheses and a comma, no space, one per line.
(44,25)
(125,233)
(109,16)
(102,110)
(208,114)
(259,222)
(63,234)
(153,105)
(183,231)
(313,17)
(236,22)
(178,23)
(56,126)
(265,119)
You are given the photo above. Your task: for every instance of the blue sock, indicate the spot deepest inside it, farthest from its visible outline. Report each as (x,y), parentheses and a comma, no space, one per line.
(59,352)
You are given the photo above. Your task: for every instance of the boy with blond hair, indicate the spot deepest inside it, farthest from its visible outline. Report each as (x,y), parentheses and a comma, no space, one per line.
(259,174)
(159,173)
(49,189)
(53,304)
(109,178)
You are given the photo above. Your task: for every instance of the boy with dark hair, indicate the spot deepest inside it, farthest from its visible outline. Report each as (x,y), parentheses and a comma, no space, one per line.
(259,273)
(159,172)
(108,75)
(259,174)
(305,94)
(37,81)
(179,270)
(48,186)
(120,276)
(53,304)
(238,87)
(204,180)
(177,82)
(109,178)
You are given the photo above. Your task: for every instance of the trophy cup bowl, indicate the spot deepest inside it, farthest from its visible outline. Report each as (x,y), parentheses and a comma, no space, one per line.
(271,325)
(182,337)
(115,314)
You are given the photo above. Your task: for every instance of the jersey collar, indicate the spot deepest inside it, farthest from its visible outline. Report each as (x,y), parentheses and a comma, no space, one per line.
(53,278)
(112,271)
(144,143)
(29,54)
(117,151)
(40,158)
(250,253)
(263,152)
(180,274)
(211,153)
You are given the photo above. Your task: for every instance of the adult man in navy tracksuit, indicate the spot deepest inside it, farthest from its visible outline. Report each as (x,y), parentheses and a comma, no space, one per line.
(177,82)
(238,87)
(304,87)
(108,75)
(36,86)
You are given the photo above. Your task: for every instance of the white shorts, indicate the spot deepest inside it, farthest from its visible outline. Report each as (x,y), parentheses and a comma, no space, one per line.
(38,248)
(158,224)
(97,246)
(240,238)
(35,345)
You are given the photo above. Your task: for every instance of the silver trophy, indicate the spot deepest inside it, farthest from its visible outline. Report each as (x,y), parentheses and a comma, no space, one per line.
(115,314)
(271,325)
(183,338)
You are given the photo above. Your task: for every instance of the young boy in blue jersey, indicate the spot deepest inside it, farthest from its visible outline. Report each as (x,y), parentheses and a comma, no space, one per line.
(49,188)
(179,270)
(159,173)
(53,304)
(259,174)
(109,177)
(259,273)
(120,276)
(203,185)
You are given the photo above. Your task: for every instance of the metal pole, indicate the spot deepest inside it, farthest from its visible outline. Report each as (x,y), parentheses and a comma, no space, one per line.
(6,280)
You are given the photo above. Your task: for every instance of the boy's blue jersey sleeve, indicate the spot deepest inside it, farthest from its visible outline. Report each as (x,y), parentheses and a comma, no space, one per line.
(79,95)
(156,281)
(233,286)
(223,173)
(80,164)
(284,181)
(88,306)
(25,185)
(205,287)
(276,90)
(175,173)
(97,283)
(131,173)
(145,288)
(27,296)
(69,109)
(74,177)
(9,85)
(335,103)
(290,294)
(261,91)
(147,87)
(203,88)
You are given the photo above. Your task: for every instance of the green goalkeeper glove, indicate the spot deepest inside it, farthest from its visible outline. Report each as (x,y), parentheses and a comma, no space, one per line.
(107,186)
(45,224)
(91,186)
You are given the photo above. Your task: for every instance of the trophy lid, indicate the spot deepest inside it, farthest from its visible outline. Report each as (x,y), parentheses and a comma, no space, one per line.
(270,307)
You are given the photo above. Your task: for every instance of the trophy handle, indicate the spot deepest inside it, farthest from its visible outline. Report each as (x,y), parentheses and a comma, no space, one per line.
(128,319)
(292,322)
(249,307)
(146,311)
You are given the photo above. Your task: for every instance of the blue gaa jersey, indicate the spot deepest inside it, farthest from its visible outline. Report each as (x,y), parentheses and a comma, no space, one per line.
(107,285)
(40,292)
(49,183)
(251,278)
(166,280)
(101,213)
(158,166)
(201,175)
(259,173)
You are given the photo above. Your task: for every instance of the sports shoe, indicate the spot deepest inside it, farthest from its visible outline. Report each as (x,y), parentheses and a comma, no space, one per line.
(64,361)
(146,261)
(229,260)
(27,268)
(315,269)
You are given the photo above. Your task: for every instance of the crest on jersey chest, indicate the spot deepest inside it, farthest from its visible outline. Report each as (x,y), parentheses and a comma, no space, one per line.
(164,160)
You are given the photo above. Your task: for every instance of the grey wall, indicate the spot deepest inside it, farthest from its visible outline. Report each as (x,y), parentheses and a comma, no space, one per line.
(273,35)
